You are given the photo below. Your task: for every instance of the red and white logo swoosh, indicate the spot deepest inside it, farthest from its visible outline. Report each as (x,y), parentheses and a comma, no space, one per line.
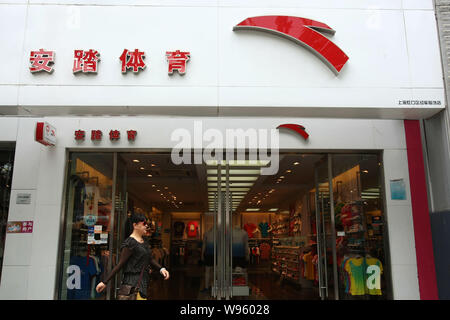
(296,128)
(303,31)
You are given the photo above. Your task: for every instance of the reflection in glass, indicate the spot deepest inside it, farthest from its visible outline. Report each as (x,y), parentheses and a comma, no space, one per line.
(359,213)
(88,214)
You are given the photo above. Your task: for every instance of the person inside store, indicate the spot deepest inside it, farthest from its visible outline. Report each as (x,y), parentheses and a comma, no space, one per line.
(207,257)
(135,260)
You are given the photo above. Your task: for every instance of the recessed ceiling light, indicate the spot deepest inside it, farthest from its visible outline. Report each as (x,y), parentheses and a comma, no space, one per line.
(180,202)
(282,177)
(149,175)
(153,165)
(142,168)
(296,163)
(153,185)
(166,188)
(157,190)
(288,171)
(135,160)
(162,194)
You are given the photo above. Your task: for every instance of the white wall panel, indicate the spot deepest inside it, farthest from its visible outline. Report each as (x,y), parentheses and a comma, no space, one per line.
(43,283)
(423,49)
(46,235)
(8,128)
(405,282)
(401,235)
(418,4)
(27,154)
(18,249)
(14,284)
(12,31)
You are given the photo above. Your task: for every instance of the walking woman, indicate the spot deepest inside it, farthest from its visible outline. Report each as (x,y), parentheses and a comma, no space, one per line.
(135,259)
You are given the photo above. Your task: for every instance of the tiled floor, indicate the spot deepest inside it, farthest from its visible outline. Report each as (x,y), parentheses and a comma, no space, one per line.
(187,284)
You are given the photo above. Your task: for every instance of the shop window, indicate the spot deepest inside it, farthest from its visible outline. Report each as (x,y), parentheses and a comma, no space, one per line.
(87,244)
(6,171)
(360,227)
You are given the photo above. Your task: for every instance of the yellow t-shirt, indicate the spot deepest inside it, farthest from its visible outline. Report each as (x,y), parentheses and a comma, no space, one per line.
(356,270)
(373,274)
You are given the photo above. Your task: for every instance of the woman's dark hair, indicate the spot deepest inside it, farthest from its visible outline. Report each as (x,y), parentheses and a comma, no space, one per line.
(135,218)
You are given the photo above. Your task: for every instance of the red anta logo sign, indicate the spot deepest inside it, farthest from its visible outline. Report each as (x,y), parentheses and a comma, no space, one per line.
(303,31)
(296,128)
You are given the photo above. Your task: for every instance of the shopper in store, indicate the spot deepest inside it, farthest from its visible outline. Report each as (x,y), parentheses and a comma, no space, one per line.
(135,259)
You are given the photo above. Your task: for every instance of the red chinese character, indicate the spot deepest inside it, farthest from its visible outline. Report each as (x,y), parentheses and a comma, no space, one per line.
(177,60)
(114,135)
(96,135)
(131,135)
(85,61)
(132,60)
(40,60)
(79,135)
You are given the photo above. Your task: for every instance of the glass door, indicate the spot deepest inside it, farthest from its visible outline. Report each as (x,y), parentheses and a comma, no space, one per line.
(223,229)
(120,231)
(325,244)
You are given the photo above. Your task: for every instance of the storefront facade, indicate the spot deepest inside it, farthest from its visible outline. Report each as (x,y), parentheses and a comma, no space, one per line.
(234,80)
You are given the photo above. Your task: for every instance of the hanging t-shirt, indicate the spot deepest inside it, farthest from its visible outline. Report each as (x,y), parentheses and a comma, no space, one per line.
(264,248)
(192,229)
(208,240)
(250,228)
(356,269)
(178,228)
(264,227)
(240,243)
(309,266)
(373,275)
(87,270)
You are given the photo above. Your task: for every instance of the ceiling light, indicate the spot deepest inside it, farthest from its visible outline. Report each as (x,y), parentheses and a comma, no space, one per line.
(153,185)
(365,171)
(162,194)
(288,171)
(142,168)
(296,163)
(153,165)
(180,202)
(252,209)
(135,160)
(158,190)
(273,209)
(282,177)
(149,175)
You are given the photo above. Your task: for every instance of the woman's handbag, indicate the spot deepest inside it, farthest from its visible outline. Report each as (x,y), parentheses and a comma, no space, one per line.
(127,292)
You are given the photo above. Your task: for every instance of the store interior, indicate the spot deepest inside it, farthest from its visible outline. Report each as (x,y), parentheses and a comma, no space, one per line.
(278,215)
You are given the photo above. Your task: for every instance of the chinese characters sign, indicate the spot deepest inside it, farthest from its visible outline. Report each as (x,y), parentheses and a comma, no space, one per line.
(87,61)
(133,60)
(177,61)
(20,227)
(96,135)
(45,134)
(41,60)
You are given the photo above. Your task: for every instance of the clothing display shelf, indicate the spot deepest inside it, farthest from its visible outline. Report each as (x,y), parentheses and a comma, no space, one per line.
(286,262)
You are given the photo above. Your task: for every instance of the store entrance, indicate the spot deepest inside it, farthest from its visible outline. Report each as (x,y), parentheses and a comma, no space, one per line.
(225,231)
